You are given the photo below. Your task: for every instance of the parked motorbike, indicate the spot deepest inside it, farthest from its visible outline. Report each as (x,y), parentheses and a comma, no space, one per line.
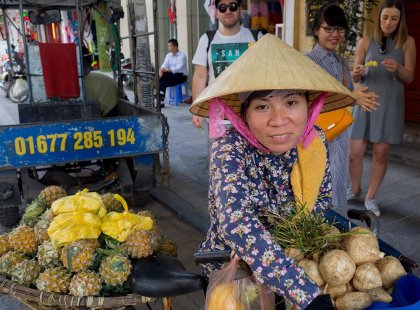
(126,74)
(14,77)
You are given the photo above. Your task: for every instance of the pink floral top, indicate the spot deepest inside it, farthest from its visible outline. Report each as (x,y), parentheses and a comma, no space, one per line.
(245,182)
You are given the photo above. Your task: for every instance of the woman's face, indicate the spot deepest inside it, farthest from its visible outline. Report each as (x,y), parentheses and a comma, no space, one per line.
(390,17)
(278,122)
(330,37)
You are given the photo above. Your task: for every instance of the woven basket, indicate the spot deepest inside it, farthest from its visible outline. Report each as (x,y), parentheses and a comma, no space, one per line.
(31,296)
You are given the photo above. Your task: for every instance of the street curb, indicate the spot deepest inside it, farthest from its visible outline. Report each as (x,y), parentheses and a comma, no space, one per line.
(182,208)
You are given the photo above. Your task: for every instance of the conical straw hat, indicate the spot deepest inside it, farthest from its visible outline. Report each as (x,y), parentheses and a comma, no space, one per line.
(272,64)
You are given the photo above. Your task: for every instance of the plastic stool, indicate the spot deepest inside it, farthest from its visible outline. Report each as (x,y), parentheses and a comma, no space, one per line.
(176,94)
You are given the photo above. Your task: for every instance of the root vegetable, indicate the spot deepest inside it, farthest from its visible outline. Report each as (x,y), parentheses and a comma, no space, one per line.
(366,277)
(333,234)
(316,257)
(336,291)
(294,253)
(391,270)
(312,270)
(337,267)
(362,248)
(379,294)
(353,301)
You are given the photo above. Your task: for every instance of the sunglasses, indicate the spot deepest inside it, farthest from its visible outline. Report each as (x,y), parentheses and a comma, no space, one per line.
(382,46)
(233,7)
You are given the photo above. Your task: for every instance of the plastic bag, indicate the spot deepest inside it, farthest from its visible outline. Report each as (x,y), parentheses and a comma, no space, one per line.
(84,201)
(119,225)
(20,89)
(70,226)
(406,295)
(234,287)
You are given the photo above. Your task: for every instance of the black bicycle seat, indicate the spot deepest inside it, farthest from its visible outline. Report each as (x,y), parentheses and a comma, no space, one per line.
(163,276)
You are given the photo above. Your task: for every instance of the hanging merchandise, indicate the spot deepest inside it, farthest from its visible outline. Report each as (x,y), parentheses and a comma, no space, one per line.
(172,11)
(258,10)
(210,8)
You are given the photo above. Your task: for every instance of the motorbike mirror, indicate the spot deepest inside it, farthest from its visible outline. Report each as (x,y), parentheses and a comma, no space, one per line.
(43,17)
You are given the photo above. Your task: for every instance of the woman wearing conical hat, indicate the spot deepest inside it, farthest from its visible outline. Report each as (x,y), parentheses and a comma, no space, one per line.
(272,156)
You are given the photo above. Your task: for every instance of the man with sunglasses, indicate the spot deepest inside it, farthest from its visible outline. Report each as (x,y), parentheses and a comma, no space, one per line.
(230,41)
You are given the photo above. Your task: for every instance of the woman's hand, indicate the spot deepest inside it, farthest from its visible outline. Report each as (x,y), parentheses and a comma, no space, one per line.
(391,65)
(365,99)
(358,72)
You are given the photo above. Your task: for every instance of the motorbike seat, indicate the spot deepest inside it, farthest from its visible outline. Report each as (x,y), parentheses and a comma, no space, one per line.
(163,276)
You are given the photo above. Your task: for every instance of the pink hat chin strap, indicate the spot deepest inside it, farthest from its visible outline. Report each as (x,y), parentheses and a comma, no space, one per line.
(309,134)
(218,109)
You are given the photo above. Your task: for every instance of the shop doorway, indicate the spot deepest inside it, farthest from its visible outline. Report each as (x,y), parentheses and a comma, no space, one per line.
(412,91)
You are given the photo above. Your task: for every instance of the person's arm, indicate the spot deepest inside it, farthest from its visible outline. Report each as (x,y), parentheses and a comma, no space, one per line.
(241,229)
(165,66)
(359,60)
(405,72)
(199,81)
(180,64)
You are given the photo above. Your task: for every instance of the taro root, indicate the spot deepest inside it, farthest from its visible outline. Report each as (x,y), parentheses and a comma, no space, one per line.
(312,270)
(353,301)
(366,277)
(362,246)
(336,291)
(294,253)
(379,294)
(337,267)
(391,270)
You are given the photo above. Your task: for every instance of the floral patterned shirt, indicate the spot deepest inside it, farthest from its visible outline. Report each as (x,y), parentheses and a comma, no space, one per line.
(244,183)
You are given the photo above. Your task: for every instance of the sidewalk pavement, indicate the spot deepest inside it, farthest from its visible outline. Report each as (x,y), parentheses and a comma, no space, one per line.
(186,194)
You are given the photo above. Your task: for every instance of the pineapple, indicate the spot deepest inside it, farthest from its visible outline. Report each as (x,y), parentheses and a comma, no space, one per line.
(41,230)
(33,212)
(48,255)
(80,254)
(8,260)
(4,244)
(85,283)
(25,272)
(54,280)
(111,204)
(22,239)
(51,193)
(142,243)
(48,214)
(115,269)
(167,247)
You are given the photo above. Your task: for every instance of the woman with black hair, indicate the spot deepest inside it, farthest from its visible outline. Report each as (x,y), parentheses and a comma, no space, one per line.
(329,29)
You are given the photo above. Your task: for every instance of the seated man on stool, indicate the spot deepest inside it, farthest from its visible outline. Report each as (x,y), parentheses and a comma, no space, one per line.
(173,70)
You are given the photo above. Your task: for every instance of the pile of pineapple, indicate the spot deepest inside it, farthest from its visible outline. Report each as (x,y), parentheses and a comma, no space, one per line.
(84,267)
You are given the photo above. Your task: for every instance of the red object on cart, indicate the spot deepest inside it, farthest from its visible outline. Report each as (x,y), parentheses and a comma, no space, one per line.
(59,66)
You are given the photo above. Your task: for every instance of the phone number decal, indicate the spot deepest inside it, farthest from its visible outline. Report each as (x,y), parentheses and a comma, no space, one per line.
(86,140)
(35,144)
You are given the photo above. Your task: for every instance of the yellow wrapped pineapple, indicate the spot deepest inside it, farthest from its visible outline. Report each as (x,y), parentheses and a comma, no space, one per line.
(67,227)
(79,217)
(120,225)
(85,201)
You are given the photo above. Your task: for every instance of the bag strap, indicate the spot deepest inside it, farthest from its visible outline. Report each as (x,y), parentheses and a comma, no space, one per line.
(344,79)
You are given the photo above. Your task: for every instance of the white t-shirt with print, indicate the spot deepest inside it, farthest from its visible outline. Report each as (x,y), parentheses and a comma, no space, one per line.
(222,52)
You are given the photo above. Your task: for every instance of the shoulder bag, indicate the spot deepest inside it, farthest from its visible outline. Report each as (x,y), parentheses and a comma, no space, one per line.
(333,123)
